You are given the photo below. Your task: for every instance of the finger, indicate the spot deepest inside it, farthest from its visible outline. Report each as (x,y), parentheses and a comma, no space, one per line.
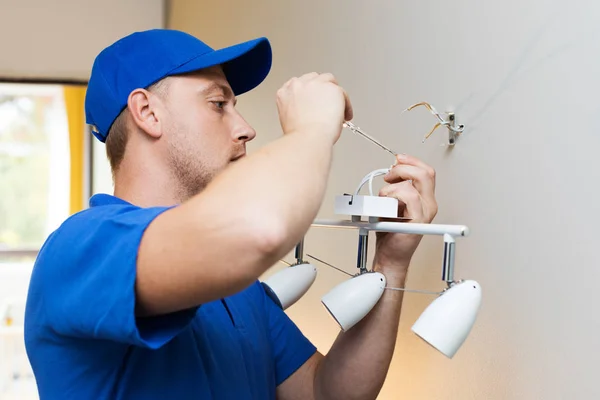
(410,160)
(423,180)
(286,86)
(309,76)
(409,198)
(327,77)
(348,111)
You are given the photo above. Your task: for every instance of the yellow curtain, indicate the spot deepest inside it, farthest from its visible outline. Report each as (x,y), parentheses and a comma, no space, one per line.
(74,102)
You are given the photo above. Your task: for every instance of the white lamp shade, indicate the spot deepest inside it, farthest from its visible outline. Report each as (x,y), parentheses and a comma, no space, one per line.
(446,323)
(291,283)
(351,301)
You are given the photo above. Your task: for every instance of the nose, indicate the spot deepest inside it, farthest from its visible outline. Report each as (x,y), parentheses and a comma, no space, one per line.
(242,131)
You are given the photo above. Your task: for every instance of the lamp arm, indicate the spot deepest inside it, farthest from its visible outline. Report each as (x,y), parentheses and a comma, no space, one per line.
(299,253)
(396,227)
(448,263)
(447,231)
(363,244)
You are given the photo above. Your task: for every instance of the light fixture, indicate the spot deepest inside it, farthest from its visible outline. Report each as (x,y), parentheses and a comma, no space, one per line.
(350,301)
(287,286)
(447,321)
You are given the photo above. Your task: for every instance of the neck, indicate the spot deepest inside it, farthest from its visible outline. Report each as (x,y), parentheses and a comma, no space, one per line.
(146,183)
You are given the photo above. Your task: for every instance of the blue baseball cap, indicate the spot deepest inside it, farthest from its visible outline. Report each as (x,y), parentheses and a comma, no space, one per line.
(143,58)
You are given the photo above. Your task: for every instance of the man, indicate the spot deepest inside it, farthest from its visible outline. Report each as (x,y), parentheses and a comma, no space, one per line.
(152,293)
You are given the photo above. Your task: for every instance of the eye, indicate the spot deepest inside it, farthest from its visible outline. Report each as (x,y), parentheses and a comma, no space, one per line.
(219,104)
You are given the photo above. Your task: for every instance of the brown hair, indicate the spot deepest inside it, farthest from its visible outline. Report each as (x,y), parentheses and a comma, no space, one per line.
(116,141)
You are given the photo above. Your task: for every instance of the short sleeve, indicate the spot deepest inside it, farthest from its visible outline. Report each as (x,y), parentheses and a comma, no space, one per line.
(85,278)
(291,348)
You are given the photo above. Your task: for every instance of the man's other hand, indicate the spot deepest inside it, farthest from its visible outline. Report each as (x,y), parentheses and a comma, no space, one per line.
(412,182)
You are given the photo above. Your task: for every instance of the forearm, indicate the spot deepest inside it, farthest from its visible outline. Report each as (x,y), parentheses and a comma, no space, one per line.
(356,366)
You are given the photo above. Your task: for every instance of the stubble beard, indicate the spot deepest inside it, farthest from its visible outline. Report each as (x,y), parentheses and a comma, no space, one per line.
(190,174)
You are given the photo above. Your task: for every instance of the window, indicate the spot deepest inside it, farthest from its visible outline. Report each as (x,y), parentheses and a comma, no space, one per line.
(34,166)
(36,196)
(100,169)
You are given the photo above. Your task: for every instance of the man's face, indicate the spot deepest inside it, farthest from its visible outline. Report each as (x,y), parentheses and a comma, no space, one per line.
(203,131)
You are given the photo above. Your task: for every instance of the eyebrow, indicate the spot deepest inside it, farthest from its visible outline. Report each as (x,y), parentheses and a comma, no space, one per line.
(217,86)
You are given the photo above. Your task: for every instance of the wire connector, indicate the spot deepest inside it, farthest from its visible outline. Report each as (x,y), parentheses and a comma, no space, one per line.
(449,121)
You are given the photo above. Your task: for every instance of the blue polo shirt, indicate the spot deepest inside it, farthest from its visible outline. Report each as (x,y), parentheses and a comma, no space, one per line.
(84,341)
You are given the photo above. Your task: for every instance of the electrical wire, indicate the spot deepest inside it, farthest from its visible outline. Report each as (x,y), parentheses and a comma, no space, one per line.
(430,108)
(412,290)
(387,287)
(369,178)
(442,122)
(329,265)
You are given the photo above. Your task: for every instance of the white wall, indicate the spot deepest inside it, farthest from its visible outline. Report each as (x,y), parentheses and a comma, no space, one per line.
(523,76)
(60,39)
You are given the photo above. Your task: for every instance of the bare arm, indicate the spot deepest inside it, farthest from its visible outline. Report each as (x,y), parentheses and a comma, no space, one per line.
(358,362)
(356,365)
(251,215)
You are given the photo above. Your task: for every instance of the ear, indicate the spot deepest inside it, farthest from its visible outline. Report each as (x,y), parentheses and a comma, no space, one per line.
(145,110)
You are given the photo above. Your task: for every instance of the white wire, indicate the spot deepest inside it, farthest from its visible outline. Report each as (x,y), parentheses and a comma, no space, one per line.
(413,290)
(369,178)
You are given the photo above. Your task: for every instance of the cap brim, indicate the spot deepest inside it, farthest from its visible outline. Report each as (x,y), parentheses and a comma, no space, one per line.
(245,65)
